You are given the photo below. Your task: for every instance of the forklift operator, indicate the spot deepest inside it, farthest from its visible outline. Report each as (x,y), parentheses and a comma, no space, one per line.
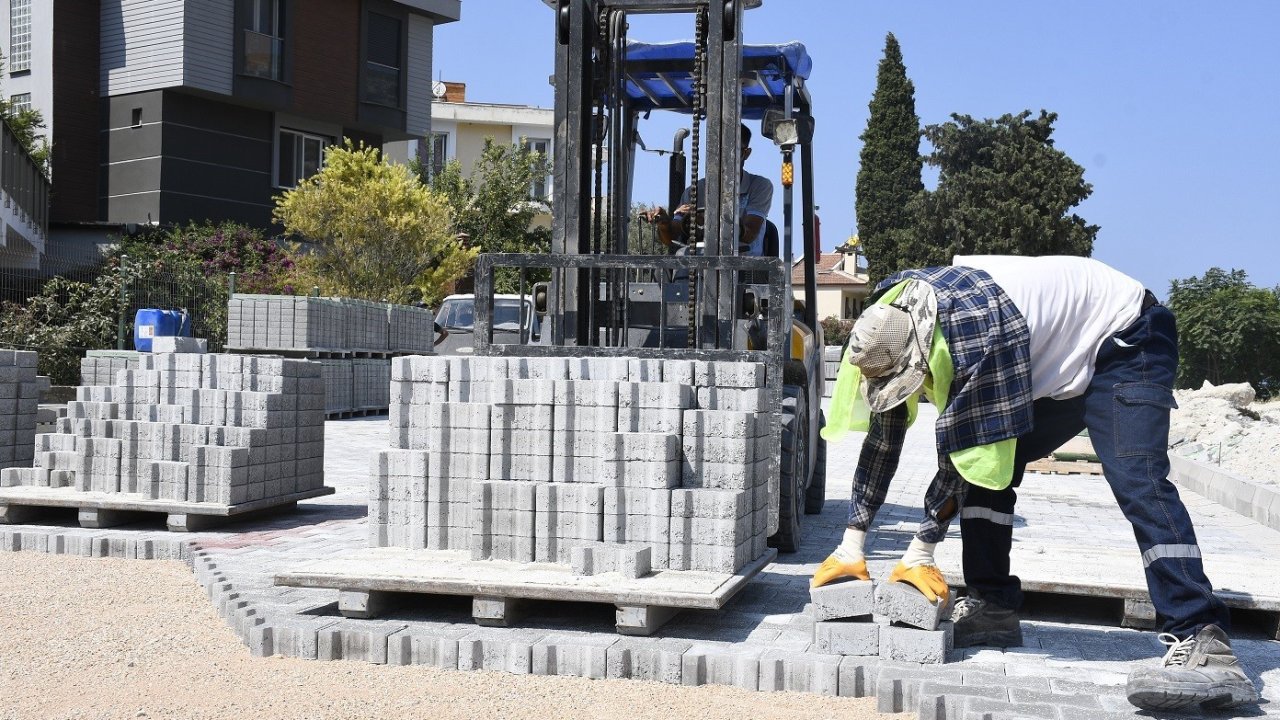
(755,197)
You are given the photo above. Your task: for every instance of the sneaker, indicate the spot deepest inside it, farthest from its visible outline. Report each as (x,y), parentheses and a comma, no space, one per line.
(1199,671)
(979,622)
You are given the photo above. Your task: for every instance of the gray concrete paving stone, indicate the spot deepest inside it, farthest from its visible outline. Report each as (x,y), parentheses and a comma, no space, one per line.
(769,616)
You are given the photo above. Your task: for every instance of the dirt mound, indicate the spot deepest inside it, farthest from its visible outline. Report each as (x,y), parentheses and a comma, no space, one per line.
(1223,425)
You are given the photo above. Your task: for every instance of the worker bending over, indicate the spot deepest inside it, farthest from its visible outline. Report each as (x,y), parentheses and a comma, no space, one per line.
(1019,354)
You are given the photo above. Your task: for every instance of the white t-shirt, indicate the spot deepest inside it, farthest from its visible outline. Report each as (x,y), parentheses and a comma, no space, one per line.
(1072,305)
(755,197)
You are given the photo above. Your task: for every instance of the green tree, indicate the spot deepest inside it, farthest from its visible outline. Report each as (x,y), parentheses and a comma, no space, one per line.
(1228,331)
(1003,188)
(381,234)
(890,165)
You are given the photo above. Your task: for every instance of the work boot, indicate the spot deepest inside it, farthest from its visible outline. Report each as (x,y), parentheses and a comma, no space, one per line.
(1200,671)
(981,622)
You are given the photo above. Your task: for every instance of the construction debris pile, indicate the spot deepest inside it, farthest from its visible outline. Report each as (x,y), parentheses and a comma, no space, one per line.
(224,429)
(1224,425)
(658,464)
(19,397)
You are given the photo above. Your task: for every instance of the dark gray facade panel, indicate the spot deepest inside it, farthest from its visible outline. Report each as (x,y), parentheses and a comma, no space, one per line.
(210,146)
(136,176)
(134,143)
(186,109)
(120,108)
(219,182)
(175,207)
(133,208)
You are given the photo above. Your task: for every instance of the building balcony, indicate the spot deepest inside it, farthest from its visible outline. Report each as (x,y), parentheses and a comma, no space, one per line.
(24,204)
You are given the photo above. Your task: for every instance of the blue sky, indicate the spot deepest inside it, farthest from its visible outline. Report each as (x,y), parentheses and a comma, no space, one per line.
(1171,107)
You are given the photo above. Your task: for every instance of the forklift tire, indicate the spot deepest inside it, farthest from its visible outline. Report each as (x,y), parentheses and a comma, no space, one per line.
(816,496)
(791,466)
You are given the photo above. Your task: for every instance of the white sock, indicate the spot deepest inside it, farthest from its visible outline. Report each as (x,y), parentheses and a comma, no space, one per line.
(919,553)
(850,548)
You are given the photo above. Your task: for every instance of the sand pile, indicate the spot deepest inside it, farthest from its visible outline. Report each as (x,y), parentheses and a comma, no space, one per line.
(1224,425)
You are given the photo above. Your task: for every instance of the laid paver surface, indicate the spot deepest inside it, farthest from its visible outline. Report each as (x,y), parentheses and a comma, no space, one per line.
(1067,525)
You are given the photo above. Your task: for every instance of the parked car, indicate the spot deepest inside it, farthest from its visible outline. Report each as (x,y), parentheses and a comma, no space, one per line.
(514,322)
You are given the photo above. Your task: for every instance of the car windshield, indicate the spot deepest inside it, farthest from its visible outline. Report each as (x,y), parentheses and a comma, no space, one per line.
(460,314)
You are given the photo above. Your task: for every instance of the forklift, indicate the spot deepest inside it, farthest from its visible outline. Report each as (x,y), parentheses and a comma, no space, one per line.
(596,297)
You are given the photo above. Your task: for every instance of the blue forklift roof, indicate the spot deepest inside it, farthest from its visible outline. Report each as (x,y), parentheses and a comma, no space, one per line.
(659,75)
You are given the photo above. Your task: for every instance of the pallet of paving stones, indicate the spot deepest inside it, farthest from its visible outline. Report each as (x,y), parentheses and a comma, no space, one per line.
(192,436)
(306,326)
(29,505)
(587,462)
(370,582)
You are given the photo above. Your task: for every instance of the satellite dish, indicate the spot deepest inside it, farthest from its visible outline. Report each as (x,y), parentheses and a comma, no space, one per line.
(437,89)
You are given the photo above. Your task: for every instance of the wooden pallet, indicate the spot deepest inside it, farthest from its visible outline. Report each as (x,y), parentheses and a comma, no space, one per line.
(321,353)
(1063,467)
(364,412)
(25,504)
(367,581)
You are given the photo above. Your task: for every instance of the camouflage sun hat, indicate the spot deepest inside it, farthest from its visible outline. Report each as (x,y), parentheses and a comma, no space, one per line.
(890,345)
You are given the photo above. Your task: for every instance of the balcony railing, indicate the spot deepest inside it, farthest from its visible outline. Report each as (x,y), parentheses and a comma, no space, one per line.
(263,55)
(25,190)
(382,84)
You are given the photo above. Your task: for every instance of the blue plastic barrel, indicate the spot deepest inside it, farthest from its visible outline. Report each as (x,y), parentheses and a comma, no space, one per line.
(151,323)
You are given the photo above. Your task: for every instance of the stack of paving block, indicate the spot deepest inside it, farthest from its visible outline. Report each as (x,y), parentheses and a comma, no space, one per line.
(370,383)
(19,398)
(336,329)
(285,322)
(831,365)
(892,620)
(99,367)
(339,385)
(410,329)
(367,325)
(224,429)
(604,464)
(304,323)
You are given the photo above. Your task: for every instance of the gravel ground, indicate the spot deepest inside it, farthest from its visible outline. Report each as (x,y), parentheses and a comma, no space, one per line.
(109,638)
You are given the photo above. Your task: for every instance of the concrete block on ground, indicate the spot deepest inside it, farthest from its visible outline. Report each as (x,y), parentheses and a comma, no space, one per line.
(655,661)
(903,604)
(574,654)
(908,644)
(843,600)
(846,637)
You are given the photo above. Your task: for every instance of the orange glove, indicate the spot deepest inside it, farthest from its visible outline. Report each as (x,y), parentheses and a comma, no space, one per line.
(925,578)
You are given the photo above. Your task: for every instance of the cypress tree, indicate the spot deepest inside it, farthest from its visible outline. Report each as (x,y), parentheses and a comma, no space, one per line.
(889,174)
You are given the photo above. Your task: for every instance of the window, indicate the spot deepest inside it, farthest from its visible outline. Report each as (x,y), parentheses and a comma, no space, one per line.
(19,36)
(264,40)
(436,154)
(541,188)
(20,102)
(299,156)
(382,71)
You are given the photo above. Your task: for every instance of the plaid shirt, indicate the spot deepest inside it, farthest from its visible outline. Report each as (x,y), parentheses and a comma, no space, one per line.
(990,397)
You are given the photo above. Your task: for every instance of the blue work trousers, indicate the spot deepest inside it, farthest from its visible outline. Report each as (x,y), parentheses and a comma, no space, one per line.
(1126,410)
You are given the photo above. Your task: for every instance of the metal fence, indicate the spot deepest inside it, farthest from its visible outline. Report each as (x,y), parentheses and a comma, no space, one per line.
(80,301)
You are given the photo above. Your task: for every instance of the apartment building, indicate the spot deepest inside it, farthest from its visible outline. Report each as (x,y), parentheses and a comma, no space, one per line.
(459,129)
(168,111)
